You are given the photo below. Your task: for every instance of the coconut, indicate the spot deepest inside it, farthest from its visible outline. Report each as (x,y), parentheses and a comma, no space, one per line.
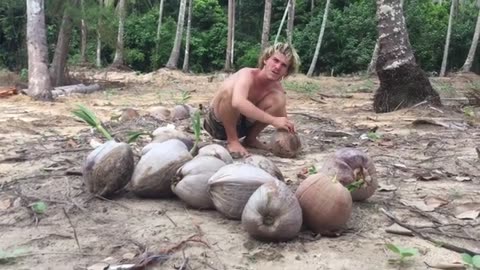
(156,169)
(232,185)
(160,113)
(265,164)
(108,168)
(191,181)
(272,213)
(353,165)
(217,151)
(180,112)
(285,144)
(168,132)
(325,202)
(129,114)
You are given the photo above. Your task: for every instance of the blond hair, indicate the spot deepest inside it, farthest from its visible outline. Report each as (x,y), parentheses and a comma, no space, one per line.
(285,49)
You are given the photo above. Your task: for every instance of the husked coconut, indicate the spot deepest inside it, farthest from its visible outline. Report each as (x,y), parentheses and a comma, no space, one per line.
(129,114)
(191,181)
(272,213)
(326,203)
(353,166)
(160,113)
(156,169)
(217,151)
(180,112)
(285,144)
(265,164)
(152,145)
(232,185)
(165,133)
(108,168)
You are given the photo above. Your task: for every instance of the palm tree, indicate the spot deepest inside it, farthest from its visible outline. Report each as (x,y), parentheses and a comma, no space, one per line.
(186,59)
(447,40)
(319,42)
(267,15)
(473,48)
(175,53)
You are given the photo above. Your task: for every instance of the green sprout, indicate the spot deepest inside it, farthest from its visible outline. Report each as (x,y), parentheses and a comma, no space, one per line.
(87,116)
(196,124)
(7,257)
(355,185)
(468,111)
(403,253)
(312,170)
(473,262)
(134,135)
(373,136)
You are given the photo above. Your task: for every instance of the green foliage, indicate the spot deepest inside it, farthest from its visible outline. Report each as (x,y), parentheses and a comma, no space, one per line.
(355,185)
(7,257)
(473,262)
(312,170)
(135,135)
(302,87)
(403,253)
(39,207)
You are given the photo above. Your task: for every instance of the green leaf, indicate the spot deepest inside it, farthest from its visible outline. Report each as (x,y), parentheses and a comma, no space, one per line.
(393,248)
(39,207)
(476,261)
(354,186)
(312,170)
(373,136)
(408,252)
(467,258)
(134,135)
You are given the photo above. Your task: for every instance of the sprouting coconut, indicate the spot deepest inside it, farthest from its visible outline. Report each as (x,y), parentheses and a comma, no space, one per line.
(266,164)
(285,144)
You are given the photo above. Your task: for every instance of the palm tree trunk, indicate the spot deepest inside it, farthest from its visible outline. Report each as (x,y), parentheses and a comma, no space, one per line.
(447,40)
(231,30)
(175,54)
(319,42)
(186,58)
(118,59)
(159,28)
(283,20)
(83,29)
(290,21)
(39,84)
(267,16)
(473,48)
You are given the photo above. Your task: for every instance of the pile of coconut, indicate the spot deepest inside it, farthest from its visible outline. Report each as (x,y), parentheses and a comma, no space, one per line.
(250,189)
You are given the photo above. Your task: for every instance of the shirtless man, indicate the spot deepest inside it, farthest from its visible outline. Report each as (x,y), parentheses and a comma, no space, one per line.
(251,99)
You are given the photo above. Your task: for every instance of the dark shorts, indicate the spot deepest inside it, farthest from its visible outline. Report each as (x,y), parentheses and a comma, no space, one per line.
(216,129)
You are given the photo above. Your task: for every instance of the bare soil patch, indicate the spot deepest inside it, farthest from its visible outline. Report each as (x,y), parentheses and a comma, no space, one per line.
(423,155)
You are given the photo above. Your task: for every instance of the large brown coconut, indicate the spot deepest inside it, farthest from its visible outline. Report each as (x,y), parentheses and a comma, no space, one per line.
(285,144)
(232,185)
(265,164)
(325,202)
(191,181)
(217,151)
(169,132)
(272,213)
(353,165)
(108,168)
(156,169)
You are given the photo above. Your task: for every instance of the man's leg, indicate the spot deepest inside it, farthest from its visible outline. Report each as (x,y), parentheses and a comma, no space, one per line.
(229,118)
(274,104)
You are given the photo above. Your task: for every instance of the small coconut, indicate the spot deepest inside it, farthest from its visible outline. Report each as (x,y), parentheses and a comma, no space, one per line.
(160,113)
(266,164)
(129,114)
(217,151)
(156,169)
(353,165)
(191,181)
(325,202)
(168,132)
(272,213)
(180,112)
(108,168)
(232,185)
(285,144)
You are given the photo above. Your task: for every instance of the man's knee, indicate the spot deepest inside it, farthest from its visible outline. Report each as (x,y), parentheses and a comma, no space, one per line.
(274,102)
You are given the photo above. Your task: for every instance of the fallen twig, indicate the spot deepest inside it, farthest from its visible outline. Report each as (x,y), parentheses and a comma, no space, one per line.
(74,229)
(71,172)
(112,201)
(446,266)
(311,116)
(317,100)
(428,238)
(336,96)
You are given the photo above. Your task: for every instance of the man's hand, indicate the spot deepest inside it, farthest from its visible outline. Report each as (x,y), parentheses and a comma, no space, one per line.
(283,123)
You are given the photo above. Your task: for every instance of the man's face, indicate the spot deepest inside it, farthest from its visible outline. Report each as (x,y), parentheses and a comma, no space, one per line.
(276,66)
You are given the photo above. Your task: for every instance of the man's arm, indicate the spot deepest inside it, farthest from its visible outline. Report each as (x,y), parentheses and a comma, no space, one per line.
(243,105)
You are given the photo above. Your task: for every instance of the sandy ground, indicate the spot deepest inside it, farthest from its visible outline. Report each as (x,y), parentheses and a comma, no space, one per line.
(41,145)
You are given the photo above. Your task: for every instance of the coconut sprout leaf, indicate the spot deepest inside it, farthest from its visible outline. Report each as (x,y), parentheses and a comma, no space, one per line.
(91,119)
(9,257)
(196,123)
(476,261)
(408,252)
(39,207)
(467,259)
(354,186)
(393,248)
(312,170)
(134,135)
